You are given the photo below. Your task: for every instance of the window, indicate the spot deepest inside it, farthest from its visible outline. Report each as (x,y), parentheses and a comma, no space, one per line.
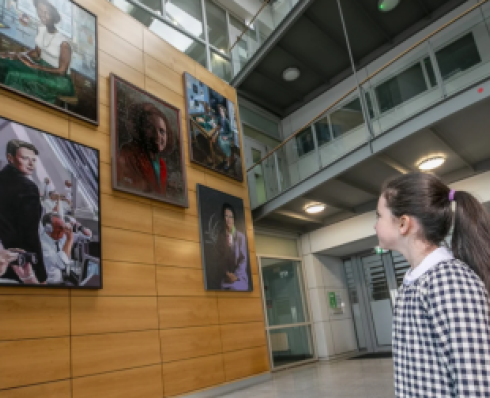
(346,118)
(322,128)
(304,141)
(220,66)
(217,29)
(458,56)
(186,14)
(400,88)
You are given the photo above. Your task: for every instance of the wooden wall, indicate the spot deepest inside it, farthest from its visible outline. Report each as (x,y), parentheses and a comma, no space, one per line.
(152,331)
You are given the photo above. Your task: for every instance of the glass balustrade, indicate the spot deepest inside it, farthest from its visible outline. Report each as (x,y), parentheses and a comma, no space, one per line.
(444,64)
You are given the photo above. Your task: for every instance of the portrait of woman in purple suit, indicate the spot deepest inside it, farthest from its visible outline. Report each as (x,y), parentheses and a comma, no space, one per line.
(225,257)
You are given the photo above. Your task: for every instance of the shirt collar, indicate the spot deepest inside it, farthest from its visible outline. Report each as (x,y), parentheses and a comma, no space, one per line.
(437,256)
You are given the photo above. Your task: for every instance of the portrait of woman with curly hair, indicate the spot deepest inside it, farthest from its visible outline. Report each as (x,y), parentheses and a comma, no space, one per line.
(147,147)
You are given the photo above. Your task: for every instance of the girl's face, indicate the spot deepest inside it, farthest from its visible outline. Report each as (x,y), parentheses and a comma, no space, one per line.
(387,226)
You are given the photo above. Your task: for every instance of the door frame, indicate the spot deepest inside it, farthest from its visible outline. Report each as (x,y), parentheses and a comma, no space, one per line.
(364,302)
(306,306)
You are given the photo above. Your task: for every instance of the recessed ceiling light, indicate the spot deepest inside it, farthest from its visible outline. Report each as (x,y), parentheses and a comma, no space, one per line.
(290,74)
(431,163)
(387,5)
(315,208)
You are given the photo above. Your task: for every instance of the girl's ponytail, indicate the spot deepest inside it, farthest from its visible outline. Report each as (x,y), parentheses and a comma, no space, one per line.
(471,235)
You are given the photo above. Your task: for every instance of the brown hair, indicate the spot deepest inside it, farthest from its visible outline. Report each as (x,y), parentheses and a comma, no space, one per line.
(55,15)
(426,197)
(141,119)
(14,145)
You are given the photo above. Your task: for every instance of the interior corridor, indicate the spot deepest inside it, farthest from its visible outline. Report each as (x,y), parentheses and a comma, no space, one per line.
(367,378)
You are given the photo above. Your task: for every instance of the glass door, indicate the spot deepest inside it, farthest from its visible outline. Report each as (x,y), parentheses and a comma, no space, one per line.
(288,323)
(372,282)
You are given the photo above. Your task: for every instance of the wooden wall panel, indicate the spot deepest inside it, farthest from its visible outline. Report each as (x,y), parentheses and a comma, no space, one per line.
(139,382)
(122,245)
(34,361)
(130,215)
(239,310)
(92,354)
(112,314)
(124,279)
(174,281)
(193,374)
(244,363)
(181,312)
(60,389)
(238,336)
(178,344)
(175,224)
(153,330)
(179,253)
(28,317)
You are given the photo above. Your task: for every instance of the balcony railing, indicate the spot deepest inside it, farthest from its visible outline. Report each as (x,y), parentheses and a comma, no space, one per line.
(253,35)
(450,59)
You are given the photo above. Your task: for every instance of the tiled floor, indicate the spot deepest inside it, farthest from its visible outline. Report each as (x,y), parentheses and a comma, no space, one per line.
(369,378)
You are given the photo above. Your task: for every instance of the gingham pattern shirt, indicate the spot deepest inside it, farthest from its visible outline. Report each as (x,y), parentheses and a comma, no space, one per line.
(441,334)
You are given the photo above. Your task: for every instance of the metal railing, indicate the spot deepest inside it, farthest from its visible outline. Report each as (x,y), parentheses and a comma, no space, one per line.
(257,30)
(448,60)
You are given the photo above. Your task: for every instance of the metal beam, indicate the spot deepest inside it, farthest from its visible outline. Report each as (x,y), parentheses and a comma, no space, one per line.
(260,102)
(358,185)
(271,41)
(374,20)
(395,165)
(296,216)
(449,146)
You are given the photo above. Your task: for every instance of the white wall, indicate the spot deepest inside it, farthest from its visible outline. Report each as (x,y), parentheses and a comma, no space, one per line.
(334,333)
(268,245)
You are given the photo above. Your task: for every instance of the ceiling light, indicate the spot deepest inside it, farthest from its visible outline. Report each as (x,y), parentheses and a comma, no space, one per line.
(315,208)
(431,163)
(387,5)
(290,74)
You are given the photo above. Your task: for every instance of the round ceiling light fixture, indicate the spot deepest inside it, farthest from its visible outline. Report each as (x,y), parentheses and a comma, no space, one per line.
(315,208)
(387,5)
(431,163)
(290,74)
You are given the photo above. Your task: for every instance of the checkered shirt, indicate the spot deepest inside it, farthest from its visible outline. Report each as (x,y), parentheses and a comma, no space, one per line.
(441,335)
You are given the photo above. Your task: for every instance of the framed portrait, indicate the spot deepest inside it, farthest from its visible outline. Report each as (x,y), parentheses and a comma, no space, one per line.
(224,246)
(48,52)
(214,140)
(50,233)
(147,145)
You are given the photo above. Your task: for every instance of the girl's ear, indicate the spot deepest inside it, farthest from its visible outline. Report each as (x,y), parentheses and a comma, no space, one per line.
(405,224)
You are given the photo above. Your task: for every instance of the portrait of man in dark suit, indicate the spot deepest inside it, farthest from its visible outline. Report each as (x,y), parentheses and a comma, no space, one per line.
(21,210)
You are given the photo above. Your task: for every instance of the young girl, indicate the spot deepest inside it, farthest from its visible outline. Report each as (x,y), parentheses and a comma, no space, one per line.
(441,324)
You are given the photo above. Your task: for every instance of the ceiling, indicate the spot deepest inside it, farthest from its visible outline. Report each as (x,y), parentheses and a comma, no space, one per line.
(462,138)
(315,44)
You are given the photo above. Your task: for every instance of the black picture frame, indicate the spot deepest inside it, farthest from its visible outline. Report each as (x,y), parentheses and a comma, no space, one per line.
(79,90)
(129,182)
(202,105)
(218,254)
(86,182)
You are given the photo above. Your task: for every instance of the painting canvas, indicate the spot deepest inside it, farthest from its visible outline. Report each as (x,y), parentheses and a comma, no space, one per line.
(224,246)
(147,145)
(49,210)
(214,140)
(48,52)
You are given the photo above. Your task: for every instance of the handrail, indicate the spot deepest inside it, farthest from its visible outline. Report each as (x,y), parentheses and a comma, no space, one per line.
(403,53)
(247,28)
